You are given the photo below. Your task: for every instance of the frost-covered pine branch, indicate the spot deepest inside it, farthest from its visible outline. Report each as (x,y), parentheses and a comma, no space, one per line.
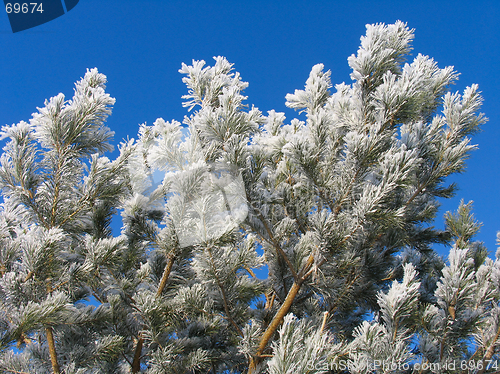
(59,196)
(335,207)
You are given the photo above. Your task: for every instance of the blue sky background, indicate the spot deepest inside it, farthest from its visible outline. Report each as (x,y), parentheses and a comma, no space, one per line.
(140,46)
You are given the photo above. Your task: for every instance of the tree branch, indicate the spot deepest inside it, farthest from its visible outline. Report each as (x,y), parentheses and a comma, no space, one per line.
(275,244)
(490,351)
(325,317)
(347,192)
(52,349)
(224,298)
(282,312)
(136,363)
(166,273)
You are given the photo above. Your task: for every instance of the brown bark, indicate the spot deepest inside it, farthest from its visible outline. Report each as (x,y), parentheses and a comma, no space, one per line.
(325,317)
(278,317)
(136,364)
(166,274)
(271,329)
(52,350)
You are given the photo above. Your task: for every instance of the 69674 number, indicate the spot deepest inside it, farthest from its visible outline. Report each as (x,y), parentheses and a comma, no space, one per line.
(23,7)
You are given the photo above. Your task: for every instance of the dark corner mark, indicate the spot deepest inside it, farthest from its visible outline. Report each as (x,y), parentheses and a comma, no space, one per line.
(70,4)
(25,14)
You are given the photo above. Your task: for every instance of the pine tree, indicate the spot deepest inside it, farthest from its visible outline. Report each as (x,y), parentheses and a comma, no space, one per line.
(335,207)
(59,197)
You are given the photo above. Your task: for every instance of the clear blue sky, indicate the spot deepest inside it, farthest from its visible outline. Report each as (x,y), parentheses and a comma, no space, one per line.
(140,46)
